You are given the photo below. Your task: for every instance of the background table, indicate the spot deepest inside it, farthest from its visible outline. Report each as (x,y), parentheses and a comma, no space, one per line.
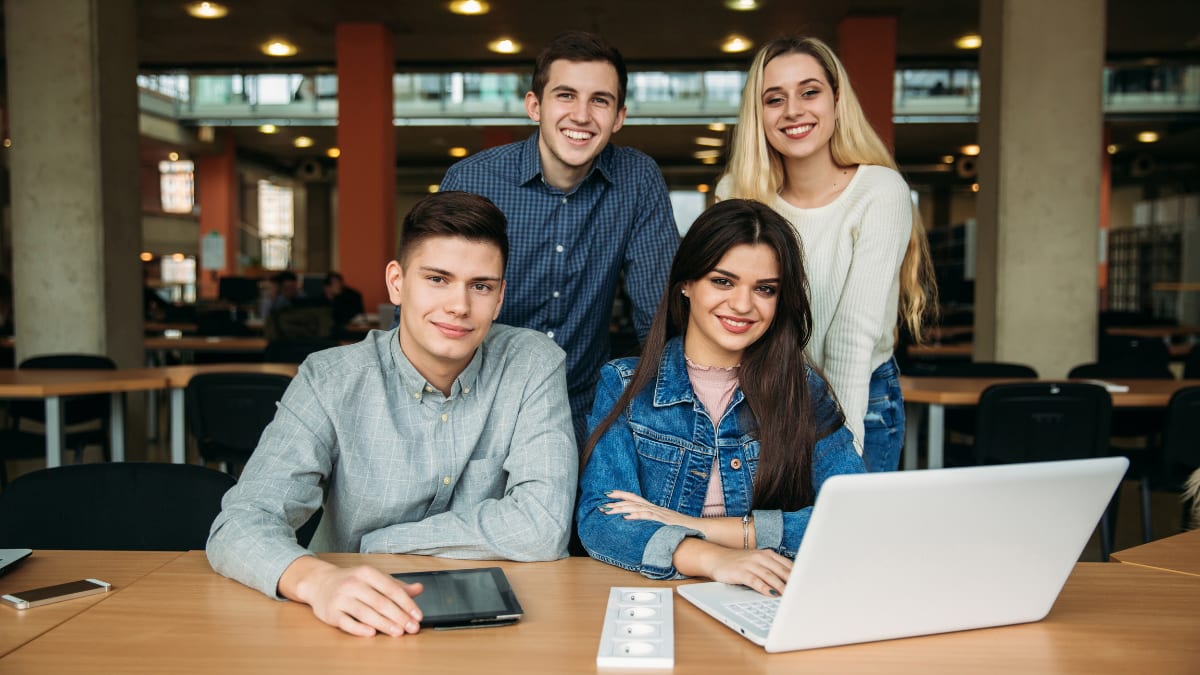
(183,618)
(46,568)
(1180,554)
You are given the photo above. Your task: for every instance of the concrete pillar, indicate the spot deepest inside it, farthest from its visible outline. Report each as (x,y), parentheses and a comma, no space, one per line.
(366,56)
(75,192)
(867,48)
(318,214)
(1040,128)
(217,192)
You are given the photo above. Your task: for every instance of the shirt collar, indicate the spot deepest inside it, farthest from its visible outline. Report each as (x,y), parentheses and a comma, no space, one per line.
(414,383)
(673,385)
(531,162)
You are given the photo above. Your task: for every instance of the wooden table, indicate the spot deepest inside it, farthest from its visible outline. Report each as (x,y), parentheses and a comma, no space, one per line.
(938,392)
(1164,332)
(955,350)
(1180,554)
(52,385)
(45,568)
(196,343)
(183,618)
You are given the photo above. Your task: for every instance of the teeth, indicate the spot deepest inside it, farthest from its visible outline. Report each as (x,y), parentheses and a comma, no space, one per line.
(734,322)
(798,131)
(577,135)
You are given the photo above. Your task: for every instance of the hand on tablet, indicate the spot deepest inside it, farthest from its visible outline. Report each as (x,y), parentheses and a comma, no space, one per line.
(358,600)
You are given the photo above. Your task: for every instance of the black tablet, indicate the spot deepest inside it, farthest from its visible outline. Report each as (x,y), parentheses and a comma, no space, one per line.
(464,598)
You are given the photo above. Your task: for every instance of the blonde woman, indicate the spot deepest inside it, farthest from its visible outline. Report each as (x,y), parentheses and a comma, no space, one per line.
(804,146)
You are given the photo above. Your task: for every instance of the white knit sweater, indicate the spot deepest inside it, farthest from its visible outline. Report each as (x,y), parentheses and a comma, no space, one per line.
(853,248)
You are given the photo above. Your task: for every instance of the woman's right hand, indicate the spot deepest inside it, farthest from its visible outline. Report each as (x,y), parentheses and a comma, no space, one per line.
(760,569)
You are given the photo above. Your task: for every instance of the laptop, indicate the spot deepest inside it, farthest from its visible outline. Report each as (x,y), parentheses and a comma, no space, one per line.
(11,556)
(892,555)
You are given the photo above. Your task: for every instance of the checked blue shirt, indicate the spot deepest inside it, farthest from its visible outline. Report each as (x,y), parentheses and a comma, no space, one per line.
(567,249)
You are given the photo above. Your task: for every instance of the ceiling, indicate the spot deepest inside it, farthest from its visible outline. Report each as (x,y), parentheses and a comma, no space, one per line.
(650,34)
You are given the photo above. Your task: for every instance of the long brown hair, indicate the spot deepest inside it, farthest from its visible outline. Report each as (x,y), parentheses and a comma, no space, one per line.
(756,170)
(773,374)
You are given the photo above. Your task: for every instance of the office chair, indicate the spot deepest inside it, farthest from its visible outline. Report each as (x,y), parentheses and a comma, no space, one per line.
(1044,421)
(129,506)
(77,410)
(295,350)
(1191,364)
(227,412)
(1121,351)
(1180,454)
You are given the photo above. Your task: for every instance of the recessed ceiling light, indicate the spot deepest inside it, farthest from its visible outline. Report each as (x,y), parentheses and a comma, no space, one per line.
(206,10)
(173,156)
(1113,148)
(947,159)
(706,154)
(742,5)
(970,150)
(302,142)
(969,41)
(709,160)
(7,142)
(974,187)
(469,7)
(735,44)
(717,127)
(458,151)
(1147,137)
(333,153)
(268,128)
(278,47)
(505,46)
(433,188)
(709,142)
(703,187)
(146,256)
(177,257)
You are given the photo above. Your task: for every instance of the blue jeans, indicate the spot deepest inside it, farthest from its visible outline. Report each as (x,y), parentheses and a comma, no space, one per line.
(883,427)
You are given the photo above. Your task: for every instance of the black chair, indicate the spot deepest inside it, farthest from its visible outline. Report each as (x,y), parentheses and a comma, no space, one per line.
(295,351)
(1180,454)
(112,506)
(1122,351)
(1191,364)
(22,443)
(227,412)
(1044,421)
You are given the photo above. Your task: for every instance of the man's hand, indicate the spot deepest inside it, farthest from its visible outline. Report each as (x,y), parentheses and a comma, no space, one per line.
(358,600)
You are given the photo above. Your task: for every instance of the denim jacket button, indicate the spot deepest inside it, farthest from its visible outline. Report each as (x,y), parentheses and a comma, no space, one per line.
(735,464)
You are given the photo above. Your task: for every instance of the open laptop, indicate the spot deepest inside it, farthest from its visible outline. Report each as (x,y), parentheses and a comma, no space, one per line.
(11,556)
(890,555)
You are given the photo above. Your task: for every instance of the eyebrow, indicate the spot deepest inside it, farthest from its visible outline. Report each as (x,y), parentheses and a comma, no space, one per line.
(447,273)
(572,90)
(801,83)
(731,275)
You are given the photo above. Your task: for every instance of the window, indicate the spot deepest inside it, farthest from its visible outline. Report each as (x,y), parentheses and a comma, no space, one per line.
(275,210)
(177,186)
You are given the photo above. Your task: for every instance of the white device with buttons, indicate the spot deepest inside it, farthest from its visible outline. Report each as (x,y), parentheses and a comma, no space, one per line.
(639,629)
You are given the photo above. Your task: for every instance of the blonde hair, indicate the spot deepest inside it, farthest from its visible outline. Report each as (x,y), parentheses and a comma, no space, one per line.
(755,169)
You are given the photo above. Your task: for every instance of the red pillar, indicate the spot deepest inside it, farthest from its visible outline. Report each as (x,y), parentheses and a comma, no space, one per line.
(867,47)
(366,57)
(217,190)
(497,136)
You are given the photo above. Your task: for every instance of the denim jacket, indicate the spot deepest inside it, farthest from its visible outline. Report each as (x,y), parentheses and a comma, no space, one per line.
(662,448)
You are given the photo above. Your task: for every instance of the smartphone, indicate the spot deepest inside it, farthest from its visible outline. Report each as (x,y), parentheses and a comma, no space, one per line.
(57,593)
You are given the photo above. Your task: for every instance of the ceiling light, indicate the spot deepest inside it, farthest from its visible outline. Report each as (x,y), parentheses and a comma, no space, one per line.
(947,159)
(970,150)
(302,142)
(742,5)
(710,142)
(717,127)
(706,154)
(268,128)
(177,257)
(278,47)
(433,188)
(458,151)
(206,10)
(469,7)
(333,153)
(969,41)
(173,156)
(974,187)
(703,187)
(146,256)
(7,142)
(1147,137)
(1113,148)
(709,160)
(505,46)
(735,44)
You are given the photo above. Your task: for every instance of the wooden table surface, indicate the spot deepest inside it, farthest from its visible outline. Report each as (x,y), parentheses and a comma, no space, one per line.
(210,343)
(42,383)
(183,618)
(46,568)
(966,390)
(1179,554)
(1153,331)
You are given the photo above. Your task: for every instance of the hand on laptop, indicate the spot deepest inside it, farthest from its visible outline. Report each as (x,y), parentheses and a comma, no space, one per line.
(358,600)
(760,569)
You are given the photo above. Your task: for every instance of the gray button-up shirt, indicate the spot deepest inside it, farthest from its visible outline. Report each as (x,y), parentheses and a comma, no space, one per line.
(489,471)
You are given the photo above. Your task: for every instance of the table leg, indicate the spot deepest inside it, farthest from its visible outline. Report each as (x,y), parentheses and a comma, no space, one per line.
(178,451)
(937,433)
(913,414)
(55,434)
(116,426)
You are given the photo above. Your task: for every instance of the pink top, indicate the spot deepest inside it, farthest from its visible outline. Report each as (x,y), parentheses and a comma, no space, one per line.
(714,387)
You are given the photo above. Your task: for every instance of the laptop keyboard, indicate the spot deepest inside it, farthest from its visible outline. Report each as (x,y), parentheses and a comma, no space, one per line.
(757,613)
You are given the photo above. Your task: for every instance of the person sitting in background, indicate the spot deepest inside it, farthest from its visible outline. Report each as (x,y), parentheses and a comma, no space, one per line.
(347,302)
(445,436)
(285,292)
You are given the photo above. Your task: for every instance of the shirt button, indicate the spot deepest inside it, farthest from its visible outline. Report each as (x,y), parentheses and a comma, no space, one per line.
(429,389)
(466,390)
(735,464)
(559,248)
(446,417)
(446,480)
(417,396)
(550,334)
(564,200)
(555,294)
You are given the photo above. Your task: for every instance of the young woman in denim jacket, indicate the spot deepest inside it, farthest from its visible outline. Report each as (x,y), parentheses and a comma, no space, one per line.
(706,455)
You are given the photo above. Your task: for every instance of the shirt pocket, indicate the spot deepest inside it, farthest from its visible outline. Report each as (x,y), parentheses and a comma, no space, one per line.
(482,479)
(659,460)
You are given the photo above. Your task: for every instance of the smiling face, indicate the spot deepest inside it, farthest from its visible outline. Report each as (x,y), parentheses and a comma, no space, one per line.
(732,306)
(577,114)
(449,291)
(798,107)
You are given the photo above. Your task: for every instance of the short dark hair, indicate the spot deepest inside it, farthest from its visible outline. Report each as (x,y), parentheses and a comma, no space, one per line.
(578,46)
(453,214)
(332,276)
(286,275)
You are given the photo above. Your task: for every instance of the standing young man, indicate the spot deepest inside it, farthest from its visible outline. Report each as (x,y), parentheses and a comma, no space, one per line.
(580,211)
(443,436)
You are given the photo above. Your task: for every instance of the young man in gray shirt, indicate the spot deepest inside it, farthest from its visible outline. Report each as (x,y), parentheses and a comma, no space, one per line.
(444,436)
